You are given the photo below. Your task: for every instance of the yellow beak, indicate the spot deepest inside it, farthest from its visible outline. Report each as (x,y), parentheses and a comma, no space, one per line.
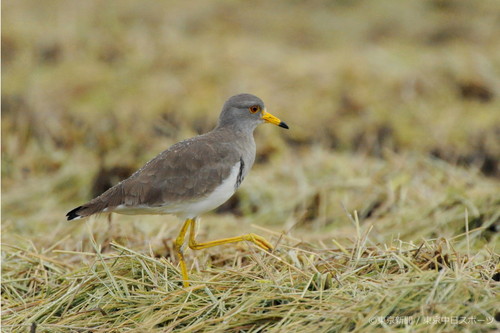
(273,120)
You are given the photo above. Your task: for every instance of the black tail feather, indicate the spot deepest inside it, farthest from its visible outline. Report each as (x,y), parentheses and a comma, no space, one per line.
(73,214)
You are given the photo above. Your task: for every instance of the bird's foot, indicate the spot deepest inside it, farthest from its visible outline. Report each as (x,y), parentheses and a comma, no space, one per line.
(259,241)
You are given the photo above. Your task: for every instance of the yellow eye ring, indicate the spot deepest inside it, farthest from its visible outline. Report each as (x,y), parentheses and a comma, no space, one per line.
(254,108)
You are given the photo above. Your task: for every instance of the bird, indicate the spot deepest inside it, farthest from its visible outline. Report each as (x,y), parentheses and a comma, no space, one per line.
(192,177)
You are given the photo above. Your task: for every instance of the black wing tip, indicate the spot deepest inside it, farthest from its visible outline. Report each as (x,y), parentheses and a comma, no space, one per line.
(73,214)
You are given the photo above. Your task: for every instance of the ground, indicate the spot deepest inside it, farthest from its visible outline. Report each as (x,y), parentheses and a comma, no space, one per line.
(381,200)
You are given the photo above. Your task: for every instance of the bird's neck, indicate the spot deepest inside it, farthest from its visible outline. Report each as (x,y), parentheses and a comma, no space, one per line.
(238,137)
(237,130)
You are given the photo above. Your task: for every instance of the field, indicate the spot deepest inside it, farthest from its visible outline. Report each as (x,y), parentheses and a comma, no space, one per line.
(382,199)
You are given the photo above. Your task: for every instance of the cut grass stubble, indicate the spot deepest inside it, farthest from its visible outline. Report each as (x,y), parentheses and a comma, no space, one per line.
(291,289)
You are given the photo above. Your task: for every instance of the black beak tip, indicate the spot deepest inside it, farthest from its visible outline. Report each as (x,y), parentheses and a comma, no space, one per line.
(282,124)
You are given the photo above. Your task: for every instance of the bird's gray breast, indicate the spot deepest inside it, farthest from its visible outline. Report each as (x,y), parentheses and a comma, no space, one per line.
(247,158)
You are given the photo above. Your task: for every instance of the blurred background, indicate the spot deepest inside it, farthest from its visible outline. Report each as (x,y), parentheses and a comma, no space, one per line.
(393,108)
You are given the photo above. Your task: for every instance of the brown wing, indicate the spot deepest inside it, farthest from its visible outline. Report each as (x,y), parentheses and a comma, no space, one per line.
(189,169)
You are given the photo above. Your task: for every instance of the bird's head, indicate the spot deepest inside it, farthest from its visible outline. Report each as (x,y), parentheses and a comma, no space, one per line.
(246,111)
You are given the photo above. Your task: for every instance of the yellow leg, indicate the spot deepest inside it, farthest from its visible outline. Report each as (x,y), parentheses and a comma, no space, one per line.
(179,242)
(256,239)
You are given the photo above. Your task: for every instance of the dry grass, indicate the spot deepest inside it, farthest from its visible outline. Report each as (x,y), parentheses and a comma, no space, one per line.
(382,199)
(294,289)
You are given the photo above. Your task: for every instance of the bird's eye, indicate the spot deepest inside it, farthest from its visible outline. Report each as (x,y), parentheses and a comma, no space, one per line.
(254,109)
